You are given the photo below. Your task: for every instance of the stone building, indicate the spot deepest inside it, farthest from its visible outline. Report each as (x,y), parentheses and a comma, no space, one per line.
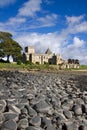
(47,57)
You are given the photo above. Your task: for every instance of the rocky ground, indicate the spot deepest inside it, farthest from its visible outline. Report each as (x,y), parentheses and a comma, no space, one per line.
(43,101)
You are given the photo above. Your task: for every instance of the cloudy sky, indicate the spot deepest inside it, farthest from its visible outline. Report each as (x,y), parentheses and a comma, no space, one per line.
(60,25)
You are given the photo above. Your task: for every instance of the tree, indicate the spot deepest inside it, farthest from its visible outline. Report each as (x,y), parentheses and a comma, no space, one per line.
(76,61)
(9,46)
(69,61)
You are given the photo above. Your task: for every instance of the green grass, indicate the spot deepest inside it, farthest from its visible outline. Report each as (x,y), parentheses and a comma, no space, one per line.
(83,67)
(11,66)
(15,66)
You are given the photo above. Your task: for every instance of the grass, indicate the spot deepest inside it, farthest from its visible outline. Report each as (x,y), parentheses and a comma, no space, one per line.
(11,66)
(83,67)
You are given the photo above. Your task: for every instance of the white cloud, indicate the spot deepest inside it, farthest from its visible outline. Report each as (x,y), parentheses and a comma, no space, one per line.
(40,41)
(30,8)
(57,43)
(77,43)
(76,50)
(6,2)
(16,20)
(74,19)
(48,20)
(75,25)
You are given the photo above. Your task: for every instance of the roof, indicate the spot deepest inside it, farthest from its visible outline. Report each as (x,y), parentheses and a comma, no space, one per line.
(48,51)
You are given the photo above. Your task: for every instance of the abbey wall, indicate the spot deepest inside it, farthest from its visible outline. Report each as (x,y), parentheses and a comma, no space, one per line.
(47,57)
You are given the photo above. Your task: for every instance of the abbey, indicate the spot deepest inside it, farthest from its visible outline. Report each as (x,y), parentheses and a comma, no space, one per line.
(47,57)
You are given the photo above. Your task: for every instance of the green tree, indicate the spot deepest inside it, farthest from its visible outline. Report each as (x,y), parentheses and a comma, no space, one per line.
(9,46)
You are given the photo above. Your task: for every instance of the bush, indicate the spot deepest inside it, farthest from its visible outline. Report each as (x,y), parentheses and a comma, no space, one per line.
(37,63)
(19,62)
(28,62)
(46,63)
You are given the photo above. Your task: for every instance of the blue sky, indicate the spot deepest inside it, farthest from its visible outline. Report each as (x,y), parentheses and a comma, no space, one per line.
(60,25)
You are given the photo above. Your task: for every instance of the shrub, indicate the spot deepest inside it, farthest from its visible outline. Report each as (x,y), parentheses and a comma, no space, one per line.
(19,62)
(46,63)
(37,63)
(28,62)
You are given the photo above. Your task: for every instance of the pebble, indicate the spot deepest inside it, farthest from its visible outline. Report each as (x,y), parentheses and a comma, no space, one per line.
(42,106)
(35,121)
(42,101)
(9,125)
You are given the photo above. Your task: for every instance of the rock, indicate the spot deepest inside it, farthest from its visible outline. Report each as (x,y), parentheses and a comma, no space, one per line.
(33,128)
(2,108)
(2,118)
(50,128)
(56,102)
(30,96)
(42,106)
(11,116)
(24,111)
(67,114)
(85,98)
(31,111)
(60,119)
(12,101)
(24,101)
(45,122)
(23,123)
(3,102)
(67,103)
(9,125)
(83,127)
(42,101)
(70,126)
(35,121)
(77,110)
(13,108)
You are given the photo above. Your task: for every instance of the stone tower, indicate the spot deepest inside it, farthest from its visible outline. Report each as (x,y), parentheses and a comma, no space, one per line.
(29,50)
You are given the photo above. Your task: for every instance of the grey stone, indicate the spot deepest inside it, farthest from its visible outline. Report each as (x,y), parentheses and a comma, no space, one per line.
(9,125)
(2,118)
(45,122)
(11,116)
(3,102)
(50,128)
(12,101)
(70,126)
(2,108)
(77,110)
(31,111)
(13,108)
(24,111)
(36,121)
(42,106)
(23,123)
(24,101)
(68,114)
(83,127)
(60,119)
(33,128)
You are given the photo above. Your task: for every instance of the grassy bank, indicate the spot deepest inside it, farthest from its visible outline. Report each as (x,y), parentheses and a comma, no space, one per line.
(11,66)
(15,66)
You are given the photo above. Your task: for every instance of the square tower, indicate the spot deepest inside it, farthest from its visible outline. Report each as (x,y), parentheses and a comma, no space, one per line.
(29,50)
